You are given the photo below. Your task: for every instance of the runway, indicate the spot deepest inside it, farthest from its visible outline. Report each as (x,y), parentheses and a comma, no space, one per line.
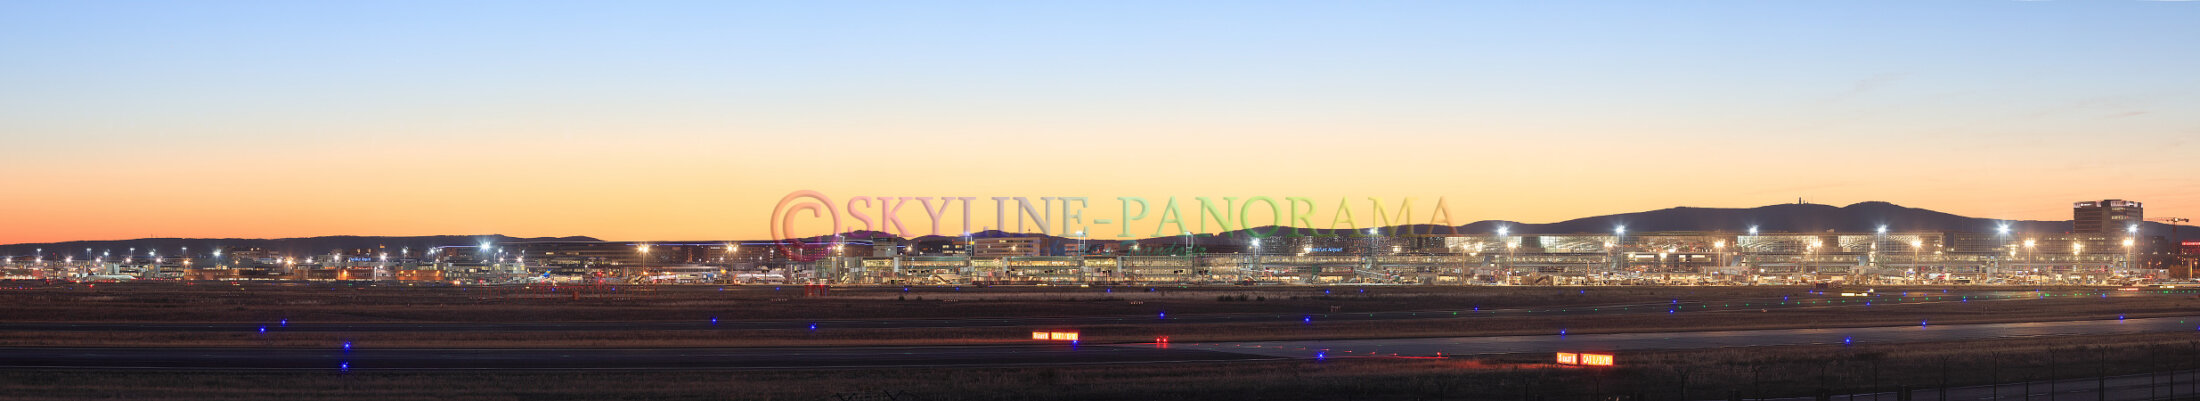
(364,358)
(707,322)
(2170,385)
(337,359)
(1461,346)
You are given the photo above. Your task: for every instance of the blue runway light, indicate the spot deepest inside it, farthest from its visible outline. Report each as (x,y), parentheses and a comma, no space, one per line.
(1562,333)
(347,346)
(713,320)
(1309,319)
(263,329)
(344,367)
(1923,323)
(284,323)
(1164,314)
(813,326)
(1321,356)
(1848,340)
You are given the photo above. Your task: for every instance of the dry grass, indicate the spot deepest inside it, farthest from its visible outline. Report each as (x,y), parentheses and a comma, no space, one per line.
(254,302)
(1719,317)
(1730,308)
(1795,370)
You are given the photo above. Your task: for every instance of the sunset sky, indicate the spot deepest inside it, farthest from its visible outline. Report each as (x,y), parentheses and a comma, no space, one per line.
(657,120)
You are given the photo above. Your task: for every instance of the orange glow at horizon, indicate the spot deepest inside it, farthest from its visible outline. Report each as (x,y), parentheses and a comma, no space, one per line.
(703,188)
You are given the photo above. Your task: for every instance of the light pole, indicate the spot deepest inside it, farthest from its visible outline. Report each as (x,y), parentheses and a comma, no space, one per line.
(1810,259)
(1256,260)
(1509,247)
(1619,234)
(1188,243)
(2029,254)
(2002,233)
(1459,251)
(1373,241)
(2075,249)
(2128,242)
(1084,274)
(1718,256)
(2131,238)
(1504,235)
(1917,251)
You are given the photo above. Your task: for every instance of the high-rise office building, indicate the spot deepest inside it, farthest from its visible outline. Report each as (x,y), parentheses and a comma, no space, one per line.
(2107,216)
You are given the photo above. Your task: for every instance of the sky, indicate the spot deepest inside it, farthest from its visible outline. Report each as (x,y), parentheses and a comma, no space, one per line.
(663,120)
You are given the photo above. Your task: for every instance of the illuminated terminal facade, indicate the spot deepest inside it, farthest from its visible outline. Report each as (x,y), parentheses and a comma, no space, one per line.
(2086,255)
(1570,259)
(1486,259)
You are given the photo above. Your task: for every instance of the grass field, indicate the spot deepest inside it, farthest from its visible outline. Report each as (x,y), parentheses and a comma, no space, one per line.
(1552,309)
(1768,371)
(1785,370)
(239,302)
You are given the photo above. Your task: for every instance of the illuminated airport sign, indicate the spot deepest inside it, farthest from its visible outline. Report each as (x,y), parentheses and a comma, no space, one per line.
(1584,359)
(1054,335)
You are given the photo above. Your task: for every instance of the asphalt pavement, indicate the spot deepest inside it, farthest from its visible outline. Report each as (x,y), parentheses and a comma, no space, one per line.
(1555,342)
(339,359)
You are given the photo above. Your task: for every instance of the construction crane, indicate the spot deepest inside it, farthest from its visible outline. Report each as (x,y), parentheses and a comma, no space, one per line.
(2172,229)
(2176,245)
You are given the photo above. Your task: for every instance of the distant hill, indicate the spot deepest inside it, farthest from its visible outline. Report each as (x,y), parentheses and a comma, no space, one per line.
(1804,217)
(1783,218)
